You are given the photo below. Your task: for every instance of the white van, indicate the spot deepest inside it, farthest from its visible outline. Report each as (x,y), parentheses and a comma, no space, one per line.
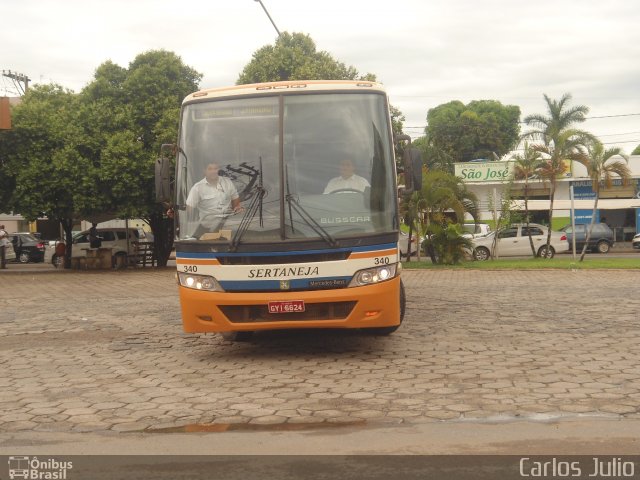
(113,238)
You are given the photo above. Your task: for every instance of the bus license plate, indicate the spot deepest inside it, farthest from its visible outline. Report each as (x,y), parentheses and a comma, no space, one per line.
(289,306)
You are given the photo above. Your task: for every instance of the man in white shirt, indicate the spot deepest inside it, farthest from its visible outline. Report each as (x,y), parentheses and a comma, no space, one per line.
(347,180)
(4,241)
(212,199)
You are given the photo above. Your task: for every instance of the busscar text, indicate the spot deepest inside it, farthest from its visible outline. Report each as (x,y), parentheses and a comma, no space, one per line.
(277,272)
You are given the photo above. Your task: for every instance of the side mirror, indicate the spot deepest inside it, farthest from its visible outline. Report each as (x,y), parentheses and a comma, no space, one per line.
(163,182)
(163,175)
(413,167)
(412,164)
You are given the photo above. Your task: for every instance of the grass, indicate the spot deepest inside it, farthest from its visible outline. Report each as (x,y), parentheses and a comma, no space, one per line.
(560,262)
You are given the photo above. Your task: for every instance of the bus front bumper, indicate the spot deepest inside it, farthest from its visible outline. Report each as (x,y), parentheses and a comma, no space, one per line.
(375,305)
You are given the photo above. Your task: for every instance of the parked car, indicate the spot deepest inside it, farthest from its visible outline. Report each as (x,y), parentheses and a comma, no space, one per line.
(601,239)
(27,247)
(403,243)
(635,243)
(114,238)
(513,241)
(53,243)
(472,230)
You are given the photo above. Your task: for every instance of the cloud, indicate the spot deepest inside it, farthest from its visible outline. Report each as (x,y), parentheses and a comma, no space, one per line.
(426,53)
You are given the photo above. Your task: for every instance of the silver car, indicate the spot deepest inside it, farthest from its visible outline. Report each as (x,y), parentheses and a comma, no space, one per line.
(513,241)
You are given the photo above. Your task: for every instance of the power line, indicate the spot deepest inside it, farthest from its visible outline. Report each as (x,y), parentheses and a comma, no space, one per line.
(18,79)
(621,141)
(613,116)
(586,118)
(614,134)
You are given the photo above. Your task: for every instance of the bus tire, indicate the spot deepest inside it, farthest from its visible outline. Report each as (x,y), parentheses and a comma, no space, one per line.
(242,336)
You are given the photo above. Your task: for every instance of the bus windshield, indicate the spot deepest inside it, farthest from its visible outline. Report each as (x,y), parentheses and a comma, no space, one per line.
(286,167)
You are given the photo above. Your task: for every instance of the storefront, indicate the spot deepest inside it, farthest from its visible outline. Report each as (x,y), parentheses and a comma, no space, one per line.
(618,206)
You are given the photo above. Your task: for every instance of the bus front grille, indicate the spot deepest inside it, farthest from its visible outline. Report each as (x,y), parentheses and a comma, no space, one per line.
(313,311)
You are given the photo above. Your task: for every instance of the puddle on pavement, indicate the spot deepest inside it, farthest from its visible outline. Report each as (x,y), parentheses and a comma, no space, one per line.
(254,427)
(535,417)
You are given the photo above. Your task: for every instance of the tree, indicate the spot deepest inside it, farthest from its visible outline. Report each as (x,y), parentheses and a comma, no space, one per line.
(294,57)
(602,169)
(500,207)
(443,194)
(397,125)
(411,207)
(126,115)
(435,158)
(42,158)
(557,141)
(636,151)
(481,129)
(449,245)
(526,168)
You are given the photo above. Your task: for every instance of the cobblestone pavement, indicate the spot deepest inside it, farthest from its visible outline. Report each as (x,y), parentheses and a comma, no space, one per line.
(98,352)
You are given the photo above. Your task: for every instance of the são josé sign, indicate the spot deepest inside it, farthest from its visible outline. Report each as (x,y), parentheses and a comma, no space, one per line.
(484,171)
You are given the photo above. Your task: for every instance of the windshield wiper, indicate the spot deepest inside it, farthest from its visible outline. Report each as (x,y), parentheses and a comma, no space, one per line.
(308,219)
(255,206)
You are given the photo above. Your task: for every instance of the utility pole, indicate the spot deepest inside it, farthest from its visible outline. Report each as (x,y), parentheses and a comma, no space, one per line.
(265,11)
(18,80)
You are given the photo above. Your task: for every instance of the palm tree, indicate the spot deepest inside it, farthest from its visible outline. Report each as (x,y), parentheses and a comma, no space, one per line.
(443,192)
(411,207)
(527,167)
(558,141)
(602,170)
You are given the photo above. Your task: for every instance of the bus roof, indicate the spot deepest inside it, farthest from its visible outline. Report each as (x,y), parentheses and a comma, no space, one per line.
(292,85)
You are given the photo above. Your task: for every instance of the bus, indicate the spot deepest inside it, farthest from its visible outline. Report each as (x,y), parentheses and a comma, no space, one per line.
(299,228)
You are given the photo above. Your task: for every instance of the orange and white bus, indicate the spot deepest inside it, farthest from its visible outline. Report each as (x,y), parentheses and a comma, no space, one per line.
(308,233)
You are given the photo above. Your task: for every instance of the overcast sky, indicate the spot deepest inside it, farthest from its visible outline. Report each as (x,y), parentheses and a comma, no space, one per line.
(426,52)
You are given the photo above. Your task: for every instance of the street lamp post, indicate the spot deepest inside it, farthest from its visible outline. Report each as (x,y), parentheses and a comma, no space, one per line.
(271,19)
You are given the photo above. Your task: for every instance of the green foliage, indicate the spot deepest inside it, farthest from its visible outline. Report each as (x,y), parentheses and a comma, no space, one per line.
(482,129)
(444,198)
(557,140)
(444,194)
(434,158)
(124,116)
(449,246)
(40,153)
(397,124)
(636,151)
(294,57)
(91,155)
(502,215)
(602,169)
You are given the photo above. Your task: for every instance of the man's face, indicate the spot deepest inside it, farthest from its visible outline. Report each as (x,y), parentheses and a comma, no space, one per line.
(211,172)
(346,169)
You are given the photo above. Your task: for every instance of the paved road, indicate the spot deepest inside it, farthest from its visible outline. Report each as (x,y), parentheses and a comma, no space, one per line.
(103,352)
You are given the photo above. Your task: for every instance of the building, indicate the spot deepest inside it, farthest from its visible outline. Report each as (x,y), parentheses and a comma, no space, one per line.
(618,206)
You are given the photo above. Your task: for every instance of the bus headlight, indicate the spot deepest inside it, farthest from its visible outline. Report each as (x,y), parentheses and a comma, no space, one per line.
(199,282)
(374,275)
